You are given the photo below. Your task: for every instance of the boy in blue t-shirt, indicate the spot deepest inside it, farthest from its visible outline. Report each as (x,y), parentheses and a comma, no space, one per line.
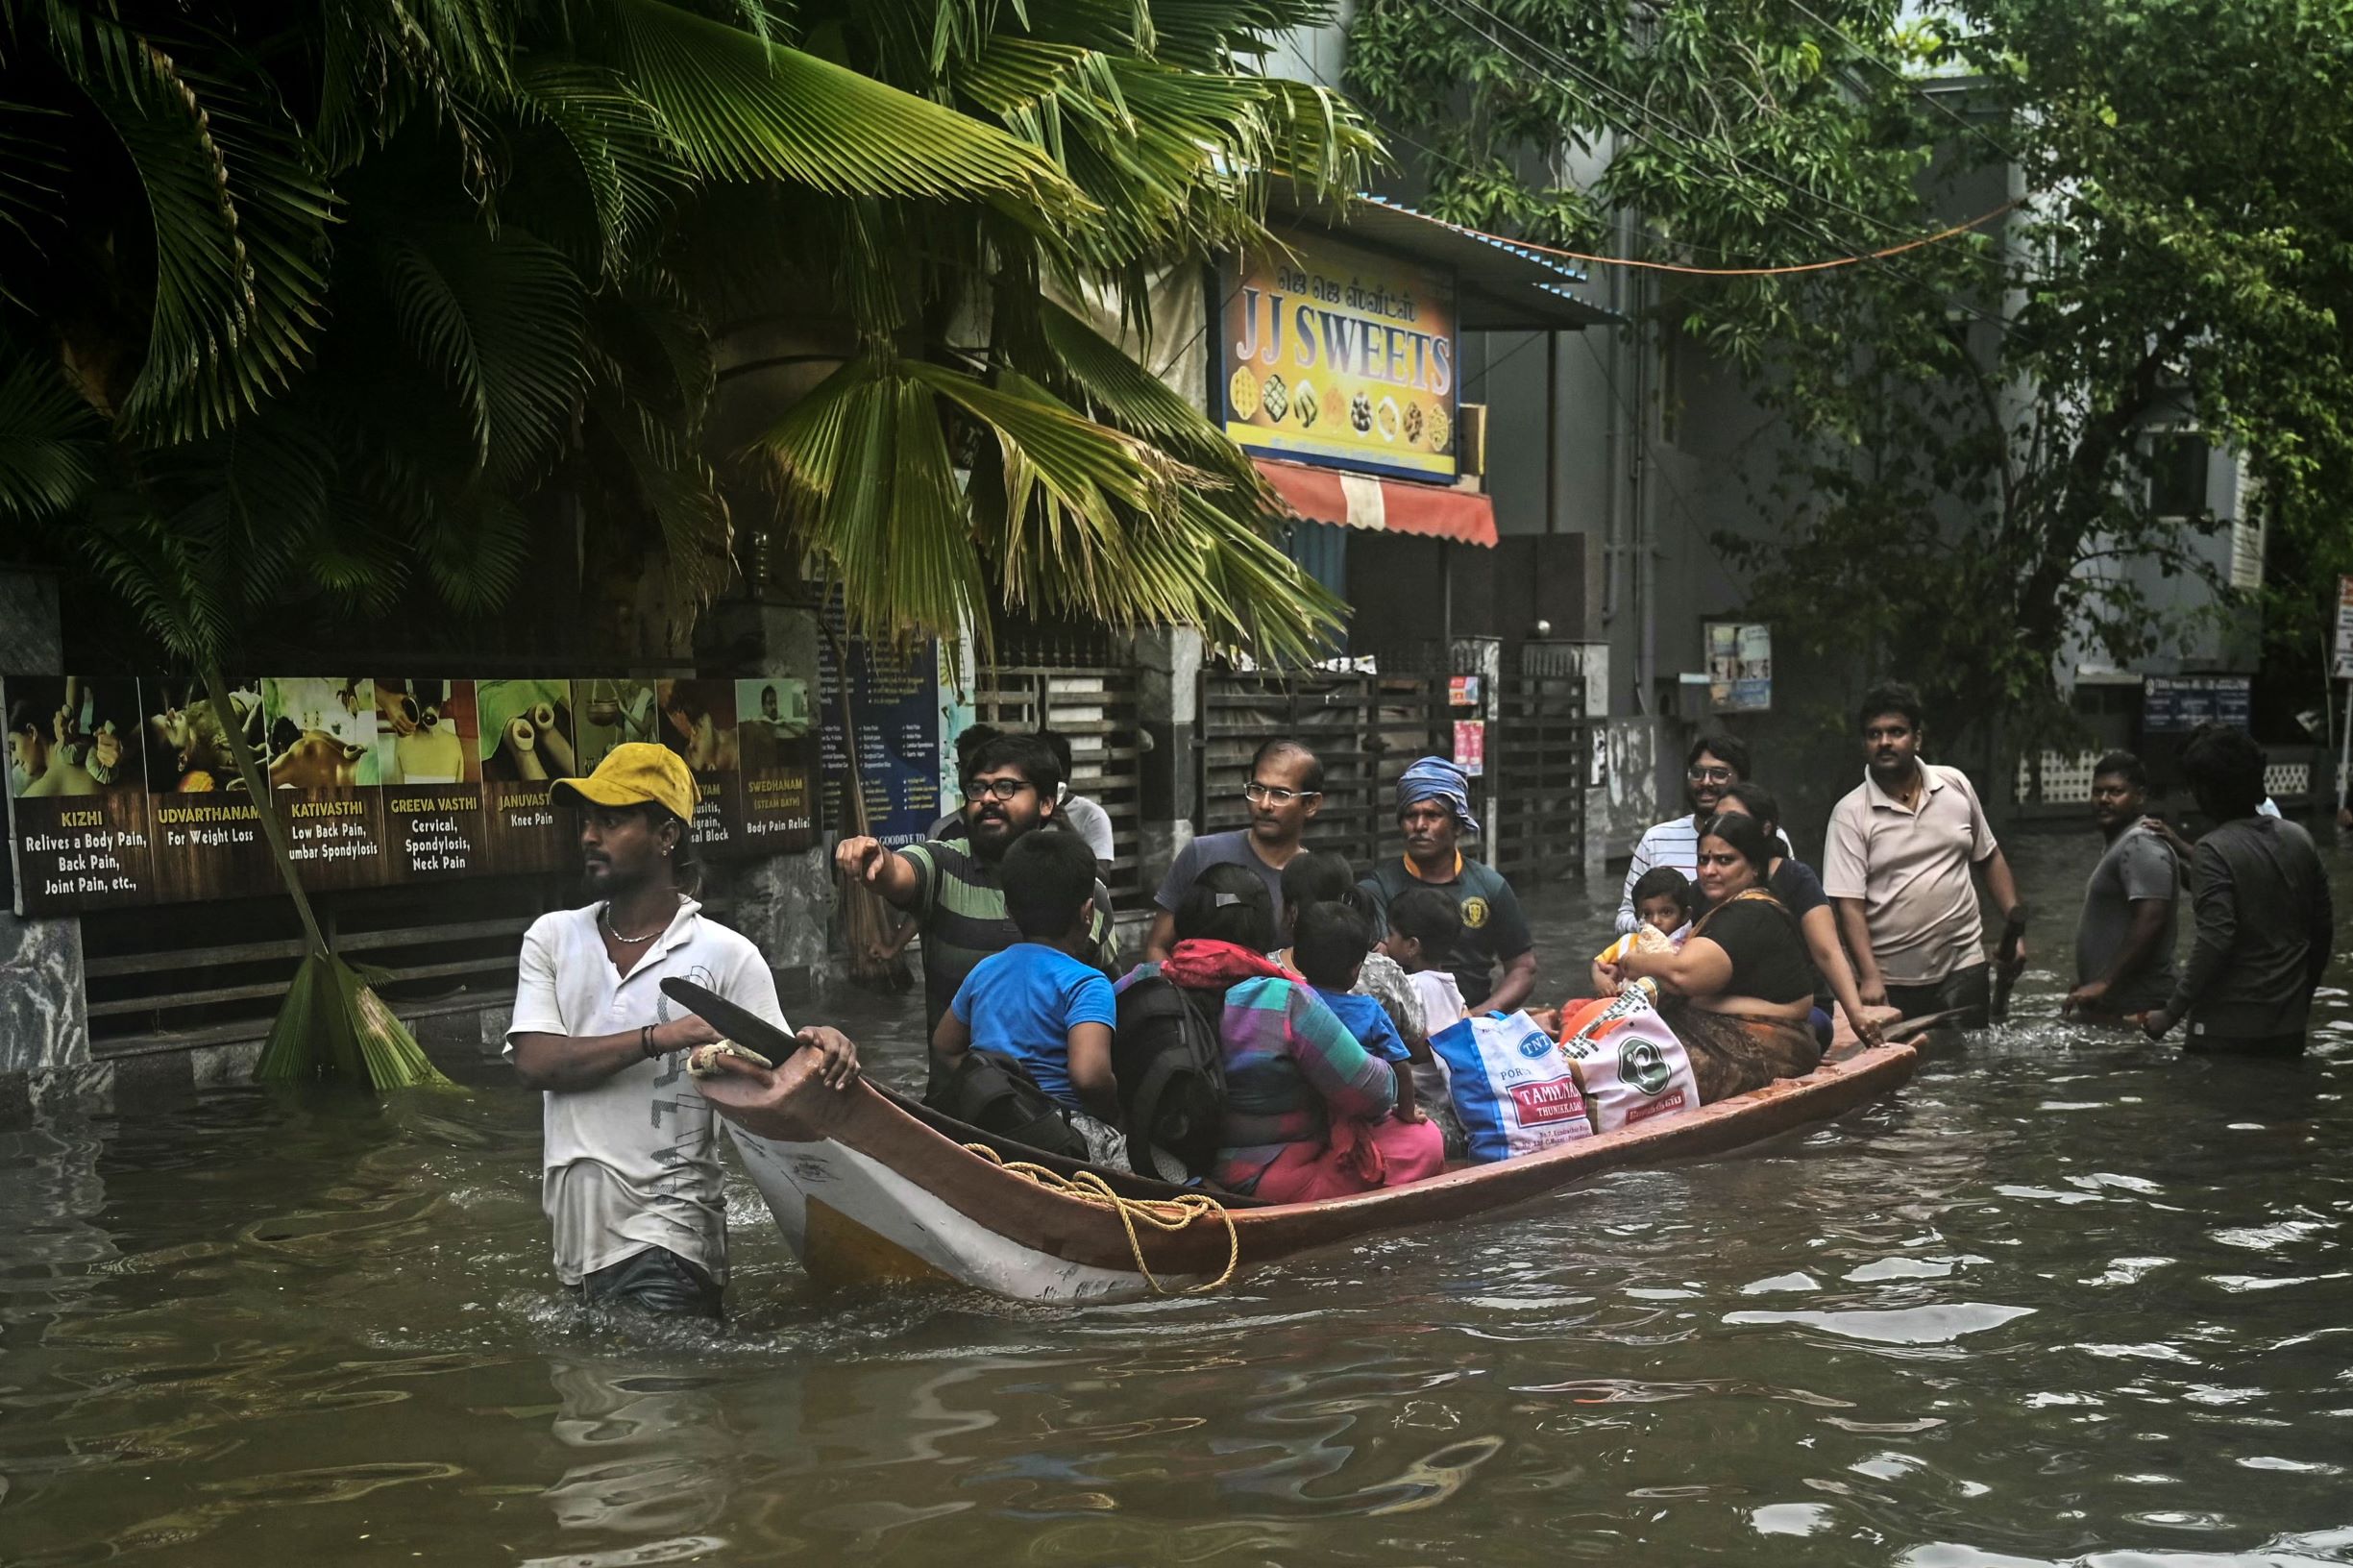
(1037,1002)
(1329,943)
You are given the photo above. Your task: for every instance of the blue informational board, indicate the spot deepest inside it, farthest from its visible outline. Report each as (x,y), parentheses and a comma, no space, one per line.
(2175,704)
(896,699)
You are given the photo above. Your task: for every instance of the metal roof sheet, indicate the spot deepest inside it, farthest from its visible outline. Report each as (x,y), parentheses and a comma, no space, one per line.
(1501,285)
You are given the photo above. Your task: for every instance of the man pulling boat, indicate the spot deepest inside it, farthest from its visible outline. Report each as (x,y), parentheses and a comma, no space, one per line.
(630,1172)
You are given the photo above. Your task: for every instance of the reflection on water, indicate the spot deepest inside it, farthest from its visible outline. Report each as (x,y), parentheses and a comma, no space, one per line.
(2071,1298)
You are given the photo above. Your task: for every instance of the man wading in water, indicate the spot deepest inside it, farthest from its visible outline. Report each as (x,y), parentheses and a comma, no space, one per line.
(630,1170)
(2125,940)
(1898,872)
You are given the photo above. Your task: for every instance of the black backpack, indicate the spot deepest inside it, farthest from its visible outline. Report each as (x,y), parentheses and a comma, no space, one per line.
(997,1094)
(1172,1073)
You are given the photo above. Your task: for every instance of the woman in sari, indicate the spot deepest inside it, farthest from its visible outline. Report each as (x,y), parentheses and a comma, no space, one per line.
(1739,991)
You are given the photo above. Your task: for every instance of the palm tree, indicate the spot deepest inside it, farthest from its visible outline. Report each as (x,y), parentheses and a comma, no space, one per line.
(302,299)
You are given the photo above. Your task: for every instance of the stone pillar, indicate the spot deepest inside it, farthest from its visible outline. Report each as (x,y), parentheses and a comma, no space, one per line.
(1168,700)
(784,903)
(45,1023)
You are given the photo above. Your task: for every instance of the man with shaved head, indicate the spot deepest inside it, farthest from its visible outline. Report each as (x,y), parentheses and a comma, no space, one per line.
(1285,793)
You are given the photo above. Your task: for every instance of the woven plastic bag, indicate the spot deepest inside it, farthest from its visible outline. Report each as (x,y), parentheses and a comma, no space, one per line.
(1628,1062)
(1512,1088)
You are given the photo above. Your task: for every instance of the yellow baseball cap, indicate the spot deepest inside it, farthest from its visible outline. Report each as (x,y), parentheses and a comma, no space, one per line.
(632,773)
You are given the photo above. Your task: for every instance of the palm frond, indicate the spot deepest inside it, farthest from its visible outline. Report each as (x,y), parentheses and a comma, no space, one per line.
(863,472)
(238,222)
(332,1027)
(628,164)
(381,59)
(474,545)
(33,171)
(158,574)
(500,320)
(748,108)
(677,489)
(51,444)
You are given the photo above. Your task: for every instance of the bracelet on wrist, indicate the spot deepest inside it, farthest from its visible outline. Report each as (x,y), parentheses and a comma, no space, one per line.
(645,1042)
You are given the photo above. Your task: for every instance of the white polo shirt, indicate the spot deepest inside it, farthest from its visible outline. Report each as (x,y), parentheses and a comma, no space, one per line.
(632,1162)
(1911,869)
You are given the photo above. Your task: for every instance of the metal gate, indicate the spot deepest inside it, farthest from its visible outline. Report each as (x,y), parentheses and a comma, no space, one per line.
(1093,707)
(1541,761)
(1364,727)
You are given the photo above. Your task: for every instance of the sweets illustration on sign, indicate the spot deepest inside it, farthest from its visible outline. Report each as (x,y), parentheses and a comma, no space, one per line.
(77,793)
(1341,355)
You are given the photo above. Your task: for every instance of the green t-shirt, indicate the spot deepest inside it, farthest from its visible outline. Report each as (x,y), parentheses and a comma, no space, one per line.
(959,908)
(1494,931)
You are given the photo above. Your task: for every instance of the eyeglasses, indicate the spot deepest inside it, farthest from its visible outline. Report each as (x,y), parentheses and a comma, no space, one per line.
(1271,795)
(1709,776)
(993,789)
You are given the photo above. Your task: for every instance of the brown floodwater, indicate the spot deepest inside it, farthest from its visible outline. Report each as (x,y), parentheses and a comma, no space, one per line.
(2068,1298)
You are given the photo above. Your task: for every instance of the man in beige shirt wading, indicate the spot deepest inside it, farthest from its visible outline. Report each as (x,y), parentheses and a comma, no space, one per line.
(1897,869)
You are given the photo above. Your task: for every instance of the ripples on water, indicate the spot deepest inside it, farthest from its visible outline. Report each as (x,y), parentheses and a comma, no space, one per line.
(2069,1299)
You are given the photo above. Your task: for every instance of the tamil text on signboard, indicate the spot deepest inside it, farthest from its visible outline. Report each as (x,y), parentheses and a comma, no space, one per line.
(1339,356)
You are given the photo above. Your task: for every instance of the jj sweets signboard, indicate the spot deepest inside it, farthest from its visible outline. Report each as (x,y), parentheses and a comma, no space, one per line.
(1336,355)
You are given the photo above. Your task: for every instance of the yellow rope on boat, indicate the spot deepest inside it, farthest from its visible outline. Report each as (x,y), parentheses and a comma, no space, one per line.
(1169,1214)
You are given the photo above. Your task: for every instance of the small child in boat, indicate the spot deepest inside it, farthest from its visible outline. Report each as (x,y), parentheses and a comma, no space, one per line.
(1424,926)
(1329,943)
(1663,912)
(1324,876)
(1037,1002)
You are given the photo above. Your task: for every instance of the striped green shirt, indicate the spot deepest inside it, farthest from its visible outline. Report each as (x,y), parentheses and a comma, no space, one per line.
(960,909)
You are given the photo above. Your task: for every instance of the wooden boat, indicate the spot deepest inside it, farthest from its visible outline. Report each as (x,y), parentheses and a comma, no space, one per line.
(868,1186)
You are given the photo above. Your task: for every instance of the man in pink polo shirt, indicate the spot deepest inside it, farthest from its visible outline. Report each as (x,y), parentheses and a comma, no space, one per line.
(1897,869)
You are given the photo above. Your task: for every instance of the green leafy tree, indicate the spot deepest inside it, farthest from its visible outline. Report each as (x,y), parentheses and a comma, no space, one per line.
(329,302)
(1964,443)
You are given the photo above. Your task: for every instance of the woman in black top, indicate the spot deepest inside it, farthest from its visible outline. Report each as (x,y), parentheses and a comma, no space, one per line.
(1794,883)
(1739,990)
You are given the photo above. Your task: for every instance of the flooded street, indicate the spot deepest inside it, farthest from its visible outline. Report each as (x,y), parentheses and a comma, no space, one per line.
(2070,1297)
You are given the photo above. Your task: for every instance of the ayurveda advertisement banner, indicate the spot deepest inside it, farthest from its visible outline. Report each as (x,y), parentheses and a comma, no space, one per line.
(1339,356)
(895,697)
(124,792)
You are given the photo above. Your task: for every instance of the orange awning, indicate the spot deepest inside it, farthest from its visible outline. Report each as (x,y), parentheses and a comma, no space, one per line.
(1362,501)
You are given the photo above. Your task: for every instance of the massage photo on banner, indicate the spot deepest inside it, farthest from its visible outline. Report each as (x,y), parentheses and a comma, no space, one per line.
(206,841)
(612,711)
(777,745)
(526,738)
(78,798)
(427,731)
(697,721)
(323,772)
(185,743)
(428,757)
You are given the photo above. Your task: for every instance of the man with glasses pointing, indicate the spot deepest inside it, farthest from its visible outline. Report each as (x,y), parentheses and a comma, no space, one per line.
(1010,789)
(1285,793)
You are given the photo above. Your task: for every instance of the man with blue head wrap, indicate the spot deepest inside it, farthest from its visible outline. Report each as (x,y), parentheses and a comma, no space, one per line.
(1434,811)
